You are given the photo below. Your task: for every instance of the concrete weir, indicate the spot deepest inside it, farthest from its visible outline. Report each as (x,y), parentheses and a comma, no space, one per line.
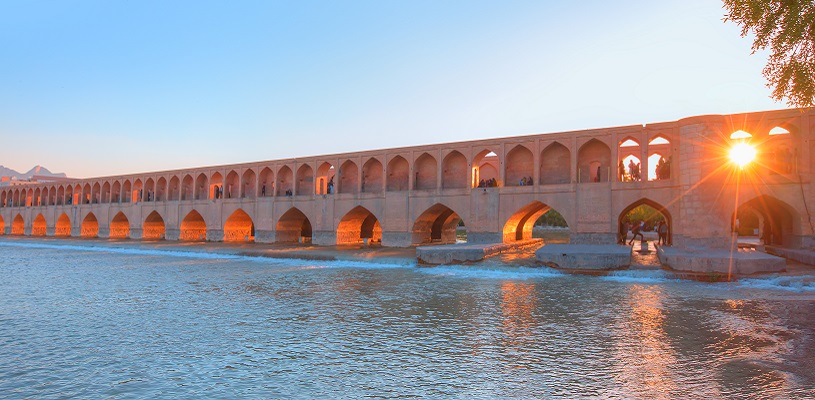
(742,262)
(600,257)
(452,253)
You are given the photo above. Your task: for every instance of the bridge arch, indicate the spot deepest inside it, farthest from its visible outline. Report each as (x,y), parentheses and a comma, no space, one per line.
(63,226)
(153,227)
(216,186)
(284,181)
(138,191)
(52,196)
(119,226)
(127,192)
(150,190)
(454,173)
(519,226)
(486,165)
(357,225)
(305,180)
(106,193)
(161,189)
(38,226)
(349,177)
(437,224)
(37,199)
(193,227)
(90,226)
(293,226)
(593,162)
(239,227)
(202,191)
(2,226)
(398,174)
(623,218)
(232,185)
(780,222)
(426,173)
(95,193)
(116,192)
(266,182)
(187,188)
(174,189)
(555,164)
(86,194)
(3,198)
(519,166)
(372,176)
(18,225)
(248,183)
(325,178)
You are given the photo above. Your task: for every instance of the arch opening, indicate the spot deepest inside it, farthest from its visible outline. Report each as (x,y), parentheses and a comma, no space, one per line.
(438,224)
(248,182)
(119,226)
(773,221)
(305,180)
(647,217)
(18,225)
(519,167)
(325,179)
(454,171)
(555,165)
(153,227)
(239,227)
(63,226)
(594,162)
(293,226)
(193,227)
(359,226)
(485,169)
(521,225)
(425,175)
(90,226)
(371,181)
(398,174)
(38,226)
(349,178)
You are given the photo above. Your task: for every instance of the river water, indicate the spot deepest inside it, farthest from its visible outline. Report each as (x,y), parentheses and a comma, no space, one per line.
(79,321)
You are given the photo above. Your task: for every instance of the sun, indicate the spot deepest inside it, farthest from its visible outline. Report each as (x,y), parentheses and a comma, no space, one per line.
(742,154)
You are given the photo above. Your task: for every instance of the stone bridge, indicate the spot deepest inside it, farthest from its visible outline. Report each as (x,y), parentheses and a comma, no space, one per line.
(497,187)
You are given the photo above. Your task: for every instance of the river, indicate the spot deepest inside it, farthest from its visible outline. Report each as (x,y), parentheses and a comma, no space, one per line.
(87,322)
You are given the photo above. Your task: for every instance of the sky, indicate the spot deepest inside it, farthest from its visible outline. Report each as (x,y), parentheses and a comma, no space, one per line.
(101,88)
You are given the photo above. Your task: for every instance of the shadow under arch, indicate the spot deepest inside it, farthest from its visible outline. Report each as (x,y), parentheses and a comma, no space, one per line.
(119,226)
(239,227)
(519,226)
(659,208)
(153,227)
(63,226)
(293,226)
(780,223)
(357,225)
(193,227)
(437,224)
(2,226)
(90,226)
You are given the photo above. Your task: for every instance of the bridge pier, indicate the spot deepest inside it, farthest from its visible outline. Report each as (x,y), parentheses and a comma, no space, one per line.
(483,237)
(76,231)
(215,235)
(592,238)
(104,232)
(169,233)
(135,233)
(324,238)
(396,239)
(50,231)
(264,236)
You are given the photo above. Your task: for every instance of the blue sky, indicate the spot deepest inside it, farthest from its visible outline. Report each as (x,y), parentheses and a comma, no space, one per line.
(96,88)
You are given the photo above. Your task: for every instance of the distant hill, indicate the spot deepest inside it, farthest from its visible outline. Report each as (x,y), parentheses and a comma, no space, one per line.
(37,170)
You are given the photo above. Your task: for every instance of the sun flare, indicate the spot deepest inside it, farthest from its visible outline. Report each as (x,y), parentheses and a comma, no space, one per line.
(742,154)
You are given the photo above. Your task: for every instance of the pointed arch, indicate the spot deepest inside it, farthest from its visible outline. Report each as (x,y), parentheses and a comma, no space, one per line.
(659,140)
(358,225)
(285,181)
(232,185)
(202,191)
(555,164)
(119,226)
(425,169)
(216,186)
(485,168)
(398,174)
(95,193)
(239,227)
(372,176)
(188,188)
(38,226)
(149,190)
(305,180)
(90,226)
(86,194)
(520,224)
(436,224)
(63,226)
(293,226)
(193,227)
(248,183)
(18,225)
(454,174)
(116,192)
(37,199)
(781,222)
(266,182)
(153,227)
(659,208)
(106,193)
(325,179)
(174,189)
(127,192)
(349,178)
(2,226)
(520,165)
(593,162)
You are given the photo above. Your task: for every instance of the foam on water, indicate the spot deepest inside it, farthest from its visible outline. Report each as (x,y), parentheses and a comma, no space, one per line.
(469,271)
(801,284)
(639,276)
(289,262)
